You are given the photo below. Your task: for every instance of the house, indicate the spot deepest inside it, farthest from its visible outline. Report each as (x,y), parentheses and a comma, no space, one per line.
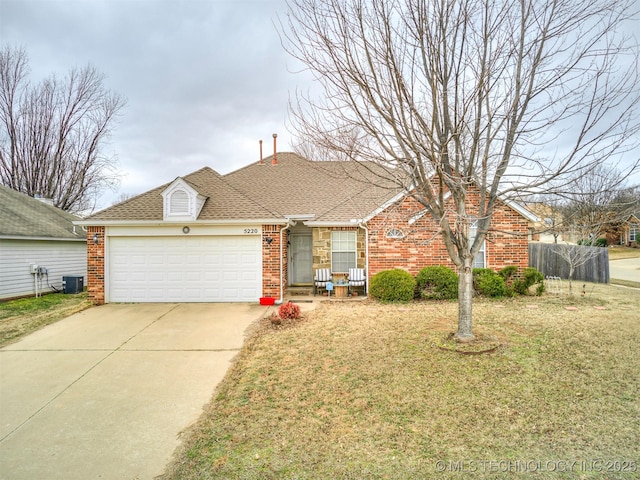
(256,231)
(625,232)
(39,244)
(549,228)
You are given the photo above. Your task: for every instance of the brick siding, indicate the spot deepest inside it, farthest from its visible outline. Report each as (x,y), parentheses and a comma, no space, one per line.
(95,265)
(506,242)
(271,261)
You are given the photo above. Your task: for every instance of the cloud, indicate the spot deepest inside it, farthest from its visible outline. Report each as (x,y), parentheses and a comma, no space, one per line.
(204,80)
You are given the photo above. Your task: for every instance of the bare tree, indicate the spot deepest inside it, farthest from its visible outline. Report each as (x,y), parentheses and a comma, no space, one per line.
(52,133)
(508,96)
(597,204)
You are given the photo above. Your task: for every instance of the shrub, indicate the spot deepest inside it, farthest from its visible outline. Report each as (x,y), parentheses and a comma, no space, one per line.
(600,242)
(289,310)
(392,286)
(437,283)
(507,273)
(531,277)
(488,283)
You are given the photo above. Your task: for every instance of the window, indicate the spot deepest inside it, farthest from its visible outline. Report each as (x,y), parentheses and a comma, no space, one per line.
(179,203)
(395,233)
(343,250)
(633,232)
(479,261)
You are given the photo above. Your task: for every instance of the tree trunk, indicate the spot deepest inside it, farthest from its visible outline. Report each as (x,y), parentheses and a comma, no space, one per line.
(465,305)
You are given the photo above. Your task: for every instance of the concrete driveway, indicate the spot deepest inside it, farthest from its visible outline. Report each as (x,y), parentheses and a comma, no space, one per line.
(625,269)
(105,393)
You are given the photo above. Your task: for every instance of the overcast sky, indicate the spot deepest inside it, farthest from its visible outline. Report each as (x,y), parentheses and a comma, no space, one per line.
(204,80)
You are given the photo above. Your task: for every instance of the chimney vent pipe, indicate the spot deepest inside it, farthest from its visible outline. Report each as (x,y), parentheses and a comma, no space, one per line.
(261,162)
(275,159)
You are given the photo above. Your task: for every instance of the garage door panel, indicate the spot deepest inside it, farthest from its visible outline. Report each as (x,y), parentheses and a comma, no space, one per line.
(185,269)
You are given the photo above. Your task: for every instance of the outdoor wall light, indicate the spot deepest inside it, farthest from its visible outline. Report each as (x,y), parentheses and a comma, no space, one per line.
(96,240)
(268,240)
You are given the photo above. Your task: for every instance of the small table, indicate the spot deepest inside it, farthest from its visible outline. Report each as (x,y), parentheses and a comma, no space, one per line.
(341,289)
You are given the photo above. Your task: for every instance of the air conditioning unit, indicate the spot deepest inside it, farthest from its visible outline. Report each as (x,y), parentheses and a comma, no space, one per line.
(72,284)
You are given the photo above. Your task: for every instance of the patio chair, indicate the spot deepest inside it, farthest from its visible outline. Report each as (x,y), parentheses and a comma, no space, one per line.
(320,279)
(357,278)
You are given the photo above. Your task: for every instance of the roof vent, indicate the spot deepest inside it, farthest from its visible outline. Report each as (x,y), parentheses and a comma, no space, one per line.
(275,158)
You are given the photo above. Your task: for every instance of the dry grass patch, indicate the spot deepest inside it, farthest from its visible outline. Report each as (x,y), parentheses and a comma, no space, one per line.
(619,252)
(363,390)
(19,318)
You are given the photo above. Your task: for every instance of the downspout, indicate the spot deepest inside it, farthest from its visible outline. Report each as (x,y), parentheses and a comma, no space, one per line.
(366,255)
(289,224)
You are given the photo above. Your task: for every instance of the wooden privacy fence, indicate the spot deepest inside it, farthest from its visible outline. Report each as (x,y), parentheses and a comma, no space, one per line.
(591,263)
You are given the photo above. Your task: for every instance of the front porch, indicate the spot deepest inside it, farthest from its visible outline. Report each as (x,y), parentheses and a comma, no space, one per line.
(312,248)
(303,294)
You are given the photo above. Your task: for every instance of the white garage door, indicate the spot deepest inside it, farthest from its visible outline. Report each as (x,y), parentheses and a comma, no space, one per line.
(185,269)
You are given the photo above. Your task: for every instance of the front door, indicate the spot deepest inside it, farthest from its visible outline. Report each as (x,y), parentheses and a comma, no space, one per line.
(300,260)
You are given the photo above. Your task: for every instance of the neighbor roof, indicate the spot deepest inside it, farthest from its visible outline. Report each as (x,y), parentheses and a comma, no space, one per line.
(22,216)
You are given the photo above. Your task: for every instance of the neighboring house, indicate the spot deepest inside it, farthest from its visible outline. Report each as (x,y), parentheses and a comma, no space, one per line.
(33,232)
(549,227)
(625,233)
(254,232)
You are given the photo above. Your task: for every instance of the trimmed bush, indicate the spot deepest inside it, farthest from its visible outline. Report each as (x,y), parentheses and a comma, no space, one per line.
(599,242)
(488,283)
(531,277)
(437,283)
(289,310)
(392,286)
(508,273)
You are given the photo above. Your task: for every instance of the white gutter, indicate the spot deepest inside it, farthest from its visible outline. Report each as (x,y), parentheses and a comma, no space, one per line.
(290,223)
(155,223)
(366,256)
(332,224)
(48,239)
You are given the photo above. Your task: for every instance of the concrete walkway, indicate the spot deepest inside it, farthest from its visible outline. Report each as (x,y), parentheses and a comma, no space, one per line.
(105,393)
(625,269)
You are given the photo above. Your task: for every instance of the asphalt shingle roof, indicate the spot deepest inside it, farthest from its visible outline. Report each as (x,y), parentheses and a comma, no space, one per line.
(332,191)
(23,216)
(223,201)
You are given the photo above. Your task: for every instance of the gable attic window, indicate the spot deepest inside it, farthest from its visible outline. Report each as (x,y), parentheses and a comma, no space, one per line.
(179,203)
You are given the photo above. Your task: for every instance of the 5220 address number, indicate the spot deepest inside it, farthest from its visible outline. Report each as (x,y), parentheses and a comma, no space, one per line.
(250,231)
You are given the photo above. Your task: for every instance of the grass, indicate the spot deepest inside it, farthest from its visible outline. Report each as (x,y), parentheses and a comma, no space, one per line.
(26,315)
(363,390)
(620,253)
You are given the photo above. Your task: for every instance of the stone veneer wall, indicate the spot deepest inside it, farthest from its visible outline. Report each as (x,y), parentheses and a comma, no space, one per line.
(95,265)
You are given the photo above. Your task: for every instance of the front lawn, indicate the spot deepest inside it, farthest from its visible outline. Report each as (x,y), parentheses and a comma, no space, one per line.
(363,390)
(26,315)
